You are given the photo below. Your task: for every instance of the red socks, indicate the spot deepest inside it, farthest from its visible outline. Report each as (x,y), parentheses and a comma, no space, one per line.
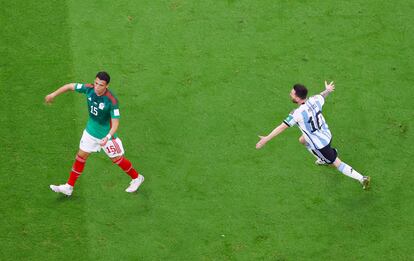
(79,165)
(126,166)
(77,169)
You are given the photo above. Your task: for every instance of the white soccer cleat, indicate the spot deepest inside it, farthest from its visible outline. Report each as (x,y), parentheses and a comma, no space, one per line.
(64,189)
(135,183)
(320,162)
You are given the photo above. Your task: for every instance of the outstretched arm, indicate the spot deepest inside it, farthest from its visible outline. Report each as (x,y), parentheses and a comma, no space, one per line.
(328,89)
(67,87)
(264,139)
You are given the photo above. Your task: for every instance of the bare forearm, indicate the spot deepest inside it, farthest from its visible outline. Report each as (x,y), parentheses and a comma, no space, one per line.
(264,139)
(112,131)
(325,93)
(63,89)
(114,127)
(279,129)
(67,87)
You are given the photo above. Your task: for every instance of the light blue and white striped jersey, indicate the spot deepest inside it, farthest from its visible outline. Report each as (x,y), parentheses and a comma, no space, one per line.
(311,122)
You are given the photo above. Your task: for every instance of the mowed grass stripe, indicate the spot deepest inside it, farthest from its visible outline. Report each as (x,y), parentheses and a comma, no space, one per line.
(121,223)
(36,59)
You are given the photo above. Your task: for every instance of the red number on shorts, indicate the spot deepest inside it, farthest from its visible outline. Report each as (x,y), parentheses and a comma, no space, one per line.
(111,149)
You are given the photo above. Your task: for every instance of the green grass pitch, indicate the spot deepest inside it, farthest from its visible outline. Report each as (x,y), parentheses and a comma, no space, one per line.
(197,82)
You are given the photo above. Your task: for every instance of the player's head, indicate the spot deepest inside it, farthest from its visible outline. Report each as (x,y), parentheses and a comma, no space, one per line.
(101,82)
(103,76)
(298,93)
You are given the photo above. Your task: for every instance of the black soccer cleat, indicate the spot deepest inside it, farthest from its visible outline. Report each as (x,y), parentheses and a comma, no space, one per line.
(366,180)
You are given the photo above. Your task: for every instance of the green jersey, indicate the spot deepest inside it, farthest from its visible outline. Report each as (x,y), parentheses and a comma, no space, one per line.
(101,110)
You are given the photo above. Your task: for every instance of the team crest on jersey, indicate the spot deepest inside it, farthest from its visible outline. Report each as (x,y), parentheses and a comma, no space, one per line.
(101,106)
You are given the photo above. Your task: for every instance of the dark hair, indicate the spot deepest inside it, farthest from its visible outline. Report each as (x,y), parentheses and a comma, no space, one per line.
(103,76)
(300,91)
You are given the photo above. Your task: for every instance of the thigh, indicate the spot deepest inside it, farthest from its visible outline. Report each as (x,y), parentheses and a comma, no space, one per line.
(89,143)
(113,148)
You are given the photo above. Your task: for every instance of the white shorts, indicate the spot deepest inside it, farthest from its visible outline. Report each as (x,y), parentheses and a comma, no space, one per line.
(113,148)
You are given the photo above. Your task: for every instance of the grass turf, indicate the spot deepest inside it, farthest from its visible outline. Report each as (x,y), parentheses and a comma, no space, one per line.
(197,81)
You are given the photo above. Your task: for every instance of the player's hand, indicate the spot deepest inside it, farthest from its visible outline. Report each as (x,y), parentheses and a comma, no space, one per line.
(103,141)
(49,98)
(263,140)
(329,87)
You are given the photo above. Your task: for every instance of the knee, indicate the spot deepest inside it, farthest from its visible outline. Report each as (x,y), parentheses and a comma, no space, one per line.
(116,159)
(84,155)
(337,162)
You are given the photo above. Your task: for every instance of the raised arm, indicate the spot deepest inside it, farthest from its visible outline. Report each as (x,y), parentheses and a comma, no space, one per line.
(264,139)
(67,87)
(328,89)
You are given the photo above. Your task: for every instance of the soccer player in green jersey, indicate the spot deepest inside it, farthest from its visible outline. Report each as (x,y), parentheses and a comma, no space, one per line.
(100,132)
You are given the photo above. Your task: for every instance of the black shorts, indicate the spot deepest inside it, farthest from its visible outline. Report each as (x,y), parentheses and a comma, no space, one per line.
(327,153)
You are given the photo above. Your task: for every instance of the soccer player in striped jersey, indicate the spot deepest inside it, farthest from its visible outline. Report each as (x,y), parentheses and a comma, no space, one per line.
(100,132)
(316,135)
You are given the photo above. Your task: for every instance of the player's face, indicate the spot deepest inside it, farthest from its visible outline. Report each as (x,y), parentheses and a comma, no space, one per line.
(293,96)
(100,86)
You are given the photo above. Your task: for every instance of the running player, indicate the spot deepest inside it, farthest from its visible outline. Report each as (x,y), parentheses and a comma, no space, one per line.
(316,135)
(100,132)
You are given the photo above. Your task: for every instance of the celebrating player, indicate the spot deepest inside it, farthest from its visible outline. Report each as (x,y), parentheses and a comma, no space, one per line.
(100,132)
(315,132)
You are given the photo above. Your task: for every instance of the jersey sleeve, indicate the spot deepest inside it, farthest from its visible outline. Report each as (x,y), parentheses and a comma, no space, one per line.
(319,98)
(290,120)
(115,111)
(81,87)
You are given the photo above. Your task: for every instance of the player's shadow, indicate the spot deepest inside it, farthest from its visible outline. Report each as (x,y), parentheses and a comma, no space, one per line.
(63,198)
